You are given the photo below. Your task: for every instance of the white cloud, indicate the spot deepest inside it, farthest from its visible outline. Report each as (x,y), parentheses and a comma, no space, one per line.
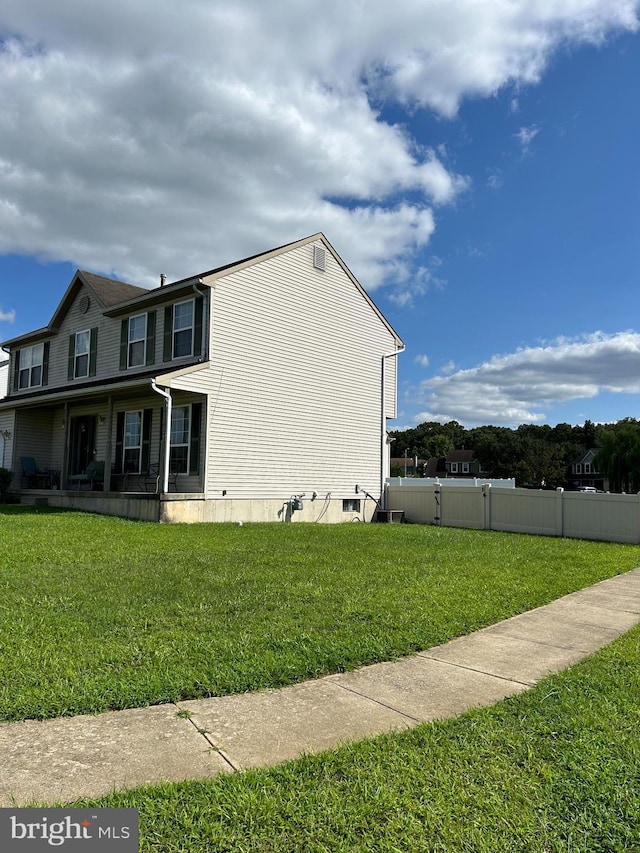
(7,316)
(519,387)
(526,135)
(422,360)
(145,137)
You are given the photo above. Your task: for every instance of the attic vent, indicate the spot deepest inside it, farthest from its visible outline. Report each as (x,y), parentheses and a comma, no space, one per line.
(84,303)
(319,257)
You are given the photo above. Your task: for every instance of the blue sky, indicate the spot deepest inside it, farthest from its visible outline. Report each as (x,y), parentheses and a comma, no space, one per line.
(475,163)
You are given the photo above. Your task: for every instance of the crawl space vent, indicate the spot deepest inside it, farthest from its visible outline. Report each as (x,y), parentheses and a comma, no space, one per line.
(319,257)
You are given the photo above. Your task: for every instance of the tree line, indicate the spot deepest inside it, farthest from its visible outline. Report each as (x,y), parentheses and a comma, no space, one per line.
(535,455)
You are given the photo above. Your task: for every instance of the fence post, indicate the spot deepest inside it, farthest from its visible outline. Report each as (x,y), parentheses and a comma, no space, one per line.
(560,511)
(486,500)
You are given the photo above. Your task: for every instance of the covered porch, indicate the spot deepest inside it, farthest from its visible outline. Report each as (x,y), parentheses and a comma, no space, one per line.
(109,446)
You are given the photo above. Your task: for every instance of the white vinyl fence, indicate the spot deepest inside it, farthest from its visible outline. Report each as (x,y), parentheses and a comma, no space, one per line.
(576,515)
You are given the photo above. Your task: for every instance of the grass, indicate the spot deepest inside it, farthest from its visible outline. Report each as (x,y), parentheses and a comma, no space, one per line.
(554,770)
(100,613)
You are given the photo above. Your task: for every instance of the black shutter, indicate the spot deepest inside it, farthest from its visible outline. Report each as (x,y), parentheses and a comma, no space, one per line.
(45,363)
(93,351)
(117,468)
(194,441)
(197,326)
(146,439)
(16,369)
(72,355)
(168,333)
(151,337)
(124,343)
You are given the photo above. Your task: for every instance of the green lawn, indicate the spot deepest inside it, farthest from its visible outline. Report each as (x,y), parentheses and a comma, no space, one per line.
(554,770)
(99,613)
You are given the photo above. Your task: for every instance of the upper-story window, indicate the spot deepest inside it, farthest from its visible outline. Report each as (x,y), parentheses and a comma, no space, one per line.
(138,340)
(30,367)
(183,329)
(82,354)
(81,362)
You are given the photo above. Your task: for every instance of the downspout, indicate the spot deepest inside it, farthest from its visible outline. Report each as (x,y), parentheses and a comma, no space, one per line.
(383,422)
(167,436)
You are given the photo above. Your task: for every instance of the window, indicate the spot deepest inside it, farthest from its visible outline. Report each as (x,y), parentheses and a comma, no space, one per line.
(81,367)
(137,338)
(351,505)
(578,468)
(30,369)
(465,467)
(82,354)
(587,467)
(180,432)
(454,467)
(183,329)
(132,442)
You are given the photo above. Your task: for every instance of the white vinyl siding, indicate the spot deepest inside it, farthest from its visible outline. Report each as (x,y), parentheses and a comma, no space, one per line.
(294,381)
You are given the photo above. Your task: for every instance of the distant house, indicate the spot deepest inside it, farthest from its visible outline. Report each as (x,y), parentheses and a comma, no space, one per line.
(228,395)
(462,463)
(584,473)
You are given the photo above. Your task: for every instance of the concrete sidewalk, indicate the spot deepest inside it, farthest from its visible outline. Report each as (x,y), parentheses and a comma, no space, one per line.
(63,759)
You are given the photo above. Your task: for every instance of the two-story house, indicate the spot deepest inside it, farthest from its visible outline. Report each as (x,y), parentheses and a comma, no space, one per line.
(223,396)
(585,475)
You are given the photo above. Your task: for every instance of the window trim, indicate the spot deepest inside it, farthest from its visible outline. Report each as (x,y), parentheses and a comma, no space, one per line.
(454,467)
(186,443)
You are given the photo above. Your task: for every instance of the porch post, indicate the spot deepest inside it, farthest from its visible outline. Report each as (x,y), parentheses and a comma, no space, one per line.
(65,456)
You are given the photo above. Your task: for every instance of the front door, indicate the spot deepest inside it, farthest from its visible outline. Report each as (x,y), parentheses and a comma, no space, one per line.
(83,437)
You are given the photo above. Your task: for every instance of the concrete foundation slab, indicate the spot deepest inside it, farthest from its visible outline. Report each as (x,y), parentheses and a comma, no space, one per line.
(258,729)
(70,757)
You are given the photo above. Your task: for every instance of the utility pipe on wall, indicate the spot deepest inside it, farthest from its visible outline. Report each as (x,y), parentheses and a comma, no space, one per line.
(167,435)
(383,421)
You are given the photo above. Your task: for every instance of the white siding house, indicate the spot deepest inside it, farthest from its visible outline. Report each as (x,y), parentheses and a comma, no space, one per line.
(285,391)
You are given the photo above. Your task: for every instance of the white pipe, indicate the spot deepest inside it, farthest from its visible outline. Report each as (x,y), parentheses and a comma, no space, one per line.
(167,435)
(383,422)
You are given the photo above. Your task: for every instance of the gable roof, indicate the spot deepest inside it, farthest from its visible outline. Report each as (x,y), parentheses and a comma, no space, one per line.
(106,291)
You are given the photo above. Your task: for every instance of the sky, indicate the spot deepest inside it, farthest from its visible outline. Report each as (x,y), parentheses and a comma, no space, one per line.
(474,162)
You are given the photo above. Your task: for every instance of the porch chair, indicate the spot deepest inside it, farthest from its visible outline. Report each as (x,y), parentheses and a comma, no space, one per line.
(93,475)
(36,477)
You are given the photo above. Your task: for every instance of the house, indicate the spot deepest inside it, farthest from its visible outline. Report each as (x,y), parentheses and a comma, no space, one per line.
(462,463)
(585,475)
(259,390)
